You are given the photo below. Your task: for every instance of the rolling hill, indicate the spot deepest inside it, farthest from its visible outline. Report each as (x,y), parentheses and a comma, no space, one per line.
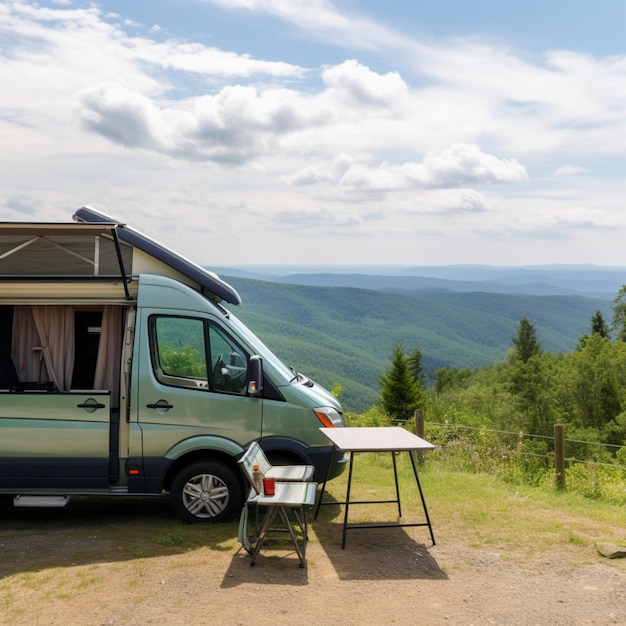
(345,335)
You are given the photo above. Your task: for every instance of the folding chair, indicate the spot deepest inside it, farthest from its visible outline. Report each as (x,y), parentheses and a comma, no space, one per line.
(293,492)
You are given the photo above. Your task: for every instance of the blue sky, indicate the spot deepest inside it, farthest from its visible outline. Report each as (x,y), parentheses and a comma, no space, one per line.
(353,132)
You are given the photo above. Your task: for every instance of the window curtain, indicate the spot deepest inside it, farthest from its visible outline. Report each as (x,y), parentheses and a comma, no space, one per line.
(28,363)
(55,325)
(109,350)
(43,344)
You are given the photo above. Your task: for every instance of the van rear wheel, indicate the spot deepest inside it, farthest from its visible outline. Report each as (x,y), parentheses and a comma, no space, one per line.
(206,491)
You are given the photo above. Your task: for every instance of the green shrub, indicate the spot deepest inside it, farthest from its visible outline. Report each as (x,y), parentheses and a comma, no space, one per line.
(375,416)
(599,482)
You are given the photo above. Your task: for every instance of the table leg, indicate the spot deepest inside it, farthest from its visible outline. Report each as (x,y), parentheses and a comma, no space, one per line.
(345,515)
(321,496)
(395,475)
(419,486)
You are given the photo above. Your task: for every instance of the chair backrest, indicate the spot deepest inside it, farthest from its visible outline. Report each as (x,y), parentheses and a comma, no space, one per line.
(254,455)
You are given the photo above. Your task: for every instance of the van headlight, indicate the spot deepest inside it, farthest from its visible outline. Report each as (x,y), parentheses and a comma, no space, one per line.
(329,417)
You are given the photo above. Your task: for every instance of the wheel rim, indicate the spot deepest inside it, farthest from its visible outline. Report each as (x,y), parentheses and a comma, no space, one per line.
(205,496)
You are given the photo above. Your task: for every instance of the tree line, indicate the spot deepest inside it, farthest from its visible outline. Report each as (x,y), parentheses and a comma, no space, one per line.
(530,390)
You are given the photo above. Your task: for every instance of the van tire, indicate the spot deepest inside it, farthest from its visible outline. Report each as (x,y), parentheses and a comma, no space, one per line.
(206,491)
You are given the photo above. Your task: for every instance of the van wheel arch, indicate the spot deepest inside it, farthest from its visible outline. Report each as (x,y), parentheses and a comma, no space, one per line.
(285,451)
(281,457)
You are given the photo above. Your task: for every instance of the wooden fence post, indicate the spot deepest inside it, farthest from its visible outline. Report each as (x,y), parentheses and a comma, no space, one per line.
(559,456)
(419,422)
(419,431)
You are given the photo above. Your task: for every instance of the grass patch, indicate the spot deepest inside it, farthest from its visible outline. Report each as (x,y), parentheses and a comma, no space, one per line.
(481,509)
(170,539)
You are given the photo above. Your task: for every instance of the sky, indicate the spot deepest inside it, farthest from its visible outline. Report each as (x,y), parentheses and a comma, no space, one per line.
(324,132)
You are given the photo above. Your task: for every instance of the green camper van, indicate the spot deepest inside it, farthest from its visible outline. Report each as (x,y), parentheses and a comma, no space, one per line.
(124,371)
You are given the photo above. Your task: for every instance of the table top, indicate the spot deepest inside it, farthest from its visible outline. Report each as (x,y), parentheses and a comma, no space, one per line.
(376,439)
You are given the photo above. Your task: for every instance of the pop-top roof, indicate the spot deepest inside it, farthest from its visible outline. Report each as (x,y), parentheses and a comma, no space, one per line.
(93,247)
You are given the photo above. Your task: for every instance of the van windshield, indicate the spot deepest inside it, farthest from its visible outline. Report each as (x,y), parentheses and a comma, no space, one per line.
(260,348)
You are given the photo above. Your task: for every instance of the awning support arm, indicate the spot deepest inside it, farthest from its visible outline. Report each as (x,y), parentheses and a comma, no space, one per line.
(120,260)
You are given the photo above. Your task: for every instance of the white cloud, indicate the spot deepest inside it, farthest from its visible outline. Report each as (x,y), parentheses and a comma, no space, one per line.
(320,18)
(462,164)
(94,112)
(58,52)
(317,219)
(233,126)
(23,206)
(569,170)
(457,166)
(240,122)
(548,219)
(210,61)
(123,116)
(566,101)
(361,85)
(585,217)
(452,201)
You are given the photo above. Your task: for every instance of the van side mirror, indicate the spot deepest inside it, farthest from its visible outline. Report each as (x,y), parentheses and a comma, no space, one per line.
(255,376)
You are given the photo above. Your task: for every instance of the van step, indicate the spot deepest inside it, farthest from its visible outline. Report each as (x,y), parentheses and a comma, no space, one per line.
(41,501)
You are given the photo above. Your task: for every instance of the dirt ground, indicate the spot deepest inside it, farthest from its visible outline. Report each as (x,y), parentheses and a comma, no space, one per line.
(94,568)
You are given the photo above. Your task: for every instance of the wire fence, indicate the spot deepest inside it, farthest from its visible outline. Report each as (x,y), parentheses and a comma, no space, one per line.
(592,469)
(612,448)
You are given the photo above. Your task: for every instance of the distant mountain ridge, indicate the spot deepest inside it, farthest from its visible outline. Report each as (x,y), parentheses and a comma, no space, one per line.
(586,280)
(345,334)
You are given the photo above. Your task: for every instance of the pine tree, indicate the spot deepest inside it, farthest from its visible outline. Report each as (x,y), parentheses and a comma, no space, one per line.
(598,325)
(415,366)
(526,342)
(401,394)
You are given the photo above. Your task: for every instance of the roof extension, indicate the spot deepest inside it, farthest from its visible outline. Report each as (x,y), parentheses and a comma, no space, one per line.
(95,248)
(205,279)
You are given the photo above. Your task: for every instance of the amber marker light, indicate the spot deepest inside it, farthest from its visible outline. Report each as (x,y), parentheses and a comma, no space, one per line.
(329,417)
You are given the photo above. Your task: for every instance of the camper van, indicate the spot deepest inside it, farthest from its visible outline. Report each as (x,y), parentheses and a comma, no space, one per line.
(123,371)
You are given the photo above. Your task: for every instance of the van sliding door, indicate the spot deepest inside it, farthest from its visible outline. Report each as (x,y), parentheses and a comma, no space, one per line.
(54,441)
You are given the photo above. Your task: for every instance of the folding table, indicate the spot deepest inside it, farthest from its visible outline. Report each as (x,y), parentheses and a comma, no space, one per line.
(391,439)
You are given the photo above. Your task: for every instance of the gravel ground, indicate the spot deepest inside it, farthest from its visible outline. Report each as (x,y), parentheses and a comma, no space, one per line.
(67,570)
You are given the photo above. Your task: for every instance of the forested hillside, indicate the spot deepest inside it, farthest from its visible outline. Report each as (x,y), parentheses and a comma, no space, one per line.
(345,336)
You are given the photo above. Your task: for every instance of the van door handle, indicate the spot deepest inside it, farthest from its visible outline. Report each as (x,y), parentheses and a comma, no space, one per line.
(161,404)
(91,404)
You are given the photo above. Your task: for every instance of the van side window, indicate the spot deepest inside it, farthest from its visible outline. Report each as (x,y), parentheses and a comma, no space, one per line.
(179,351)
(229,362)
(190,352)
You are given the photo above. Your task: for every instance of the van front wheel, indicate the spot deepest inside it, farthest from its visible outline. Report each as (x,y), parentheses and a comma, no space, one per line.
(205,492)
